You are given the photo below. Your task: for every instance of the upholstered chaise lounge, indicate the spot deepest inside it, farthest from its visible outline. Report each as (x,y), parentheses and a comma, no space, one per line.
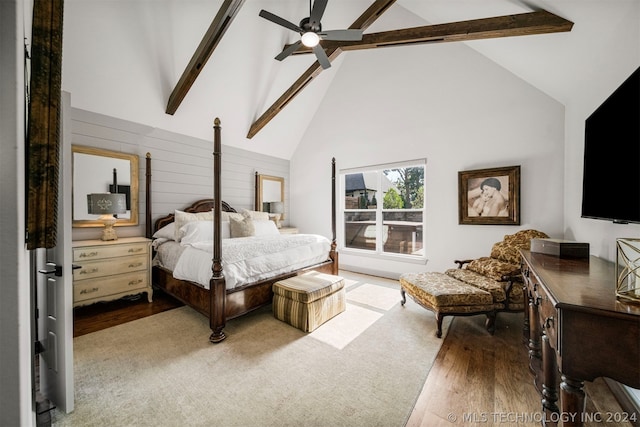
(486,285)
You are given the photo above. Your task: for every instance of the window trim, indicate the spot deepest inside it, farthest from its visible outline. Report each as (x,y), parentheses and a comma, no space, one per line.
(379,251)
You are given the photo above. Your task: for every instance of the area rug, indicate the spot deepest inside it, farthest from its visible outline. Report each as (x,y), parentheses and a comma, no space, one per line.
(365,367)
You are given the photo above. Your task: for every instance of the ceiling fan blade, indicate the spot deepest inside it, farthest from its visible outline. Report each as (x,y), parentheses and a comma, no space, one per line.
(280,21)
(288,51)
(323,59)
(341,35)
(316,13)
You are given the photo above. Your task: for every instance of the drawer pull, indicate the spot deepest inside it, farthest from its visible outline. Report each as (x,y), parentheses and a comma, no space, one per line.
(89,291)
(93,270)
(88,254)
(135,265)
(134,250)
(135,282)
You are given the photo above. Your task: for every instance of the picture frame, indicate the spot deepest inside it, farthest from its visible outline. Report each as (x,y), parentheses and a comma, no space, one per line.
(489,196)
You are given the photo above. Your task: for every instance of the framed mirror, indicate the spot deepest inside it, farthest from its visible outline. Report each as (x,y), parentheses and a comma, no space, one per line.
(103,171)
(269,189)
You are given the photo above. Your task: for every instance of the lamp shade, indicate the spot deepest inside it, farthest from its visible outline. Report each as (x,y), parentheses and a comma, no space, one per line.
(276,207)
(106,203)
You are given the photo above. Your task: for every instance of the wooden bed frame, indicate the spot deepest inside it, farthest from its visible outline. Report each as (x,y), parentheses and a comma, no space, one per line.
(221,304)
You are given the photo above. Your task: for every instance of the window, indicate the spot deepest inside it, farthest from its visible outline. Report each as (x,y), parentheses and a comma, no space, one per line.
(384,209)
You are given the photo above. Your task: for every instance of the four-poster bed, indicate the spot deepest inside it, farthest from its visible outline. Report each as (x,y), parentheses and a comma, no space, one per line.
(220,302)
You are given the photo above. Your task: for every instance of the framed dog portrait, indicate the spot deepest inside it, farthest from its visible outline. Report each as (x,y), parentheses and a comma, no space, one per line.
(489,196)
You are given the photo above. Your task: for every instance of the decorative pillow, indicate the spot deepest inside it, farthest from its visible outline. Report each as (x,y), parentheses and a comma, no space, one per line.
(242,227)
(255,215)
(493,268)
(265,227)
(181,218)
(166,232)
(506,252)
(224,216)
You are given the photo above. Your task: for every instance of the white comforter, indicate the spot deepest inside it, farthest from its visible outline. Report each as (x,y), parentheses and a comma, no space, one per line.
(249,259)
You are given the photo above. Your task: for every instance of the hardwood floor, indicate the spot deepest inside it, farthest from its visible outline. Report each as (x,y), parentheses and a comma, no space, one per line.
(482,379)
(95,317)
(476,378)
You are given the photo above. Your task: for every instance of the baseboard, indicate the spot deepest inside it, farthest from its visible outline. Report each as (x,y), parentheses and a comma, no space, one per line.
(628,403)
(370,271)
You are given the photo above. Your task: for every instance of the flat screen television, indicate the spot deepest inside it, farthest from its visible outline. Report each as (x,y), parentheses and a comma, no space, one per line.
(611,179)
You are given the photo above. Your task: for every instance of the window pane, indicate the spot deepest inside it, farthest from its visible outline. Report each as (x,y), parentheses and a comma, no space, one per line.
(360,190)
(403,188)
(360,230)
(403,232)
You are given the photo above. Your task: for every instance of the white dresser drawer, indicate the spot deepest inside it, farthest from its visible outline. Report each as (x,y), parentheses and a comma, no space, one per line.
(91,269)
(96,289)
(90,253)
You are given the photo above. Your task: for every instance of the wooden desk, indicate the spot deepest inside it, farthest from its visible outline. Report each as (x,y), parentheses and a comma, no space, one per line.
(574,315)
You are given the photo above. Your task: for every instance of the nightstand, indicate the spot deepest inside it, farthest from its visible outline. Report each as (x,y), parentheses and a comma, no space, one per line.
(288,230)
(110,270)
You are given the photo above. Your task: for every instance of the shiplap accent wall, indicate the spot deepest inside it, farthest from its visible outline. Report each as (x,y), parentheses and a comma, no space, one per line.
(181,167)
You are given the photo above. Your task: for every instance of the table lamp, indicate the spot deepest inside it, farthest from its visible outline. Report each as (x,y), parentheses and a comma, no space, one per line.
(276,209)
(106,205)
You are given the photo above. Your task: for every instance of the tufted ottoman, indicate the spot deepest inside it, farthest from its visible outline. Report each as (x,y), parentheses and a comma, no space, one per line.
(308,300)
(446,296)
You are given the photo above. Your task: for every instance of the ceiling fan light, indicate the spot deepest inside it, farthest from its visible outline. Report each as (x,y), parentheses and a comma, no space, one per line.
(310,39)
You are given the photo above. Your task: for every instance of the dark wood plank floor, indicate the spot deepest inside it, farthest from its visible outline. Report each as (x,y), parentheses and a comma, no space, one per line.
(102,315)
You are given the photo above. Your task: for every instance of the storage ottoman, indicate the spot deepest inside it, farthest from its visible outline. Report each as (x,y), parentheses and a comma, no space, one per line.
(308,300)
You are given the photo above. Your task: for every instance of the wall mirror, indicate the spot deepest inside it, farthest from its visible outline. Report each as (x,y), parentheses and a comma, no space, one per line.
(269,189)
(103,171)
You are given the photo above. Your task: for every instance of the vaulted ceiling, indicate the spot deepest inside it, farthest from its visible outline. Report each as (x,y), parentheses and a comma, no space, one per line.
(137,60)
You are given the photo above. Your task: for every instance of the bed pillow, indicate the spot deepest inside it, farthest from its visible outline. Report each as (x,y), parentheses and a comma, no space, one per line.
(167,232)
(242,227)
(265,228)
(181,218)
(202,231)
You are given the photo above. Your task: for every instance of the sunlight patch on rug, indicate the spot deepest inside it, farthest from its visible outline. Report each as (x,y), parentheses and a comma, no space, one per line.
(346,326)
(375,296)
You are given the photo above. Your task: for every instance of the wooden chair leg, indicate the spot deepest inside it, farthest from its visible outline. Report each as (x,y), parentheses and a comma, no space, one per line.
(439,318)
(491,322)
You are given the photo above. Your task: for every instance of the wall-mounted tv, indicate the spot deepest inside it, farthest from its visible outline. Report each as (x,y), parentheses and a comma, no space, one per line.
(611,179)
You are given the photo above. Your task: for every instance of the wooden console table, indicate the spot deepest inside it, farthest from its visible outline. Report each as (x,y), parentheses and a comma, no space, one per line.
(578,329)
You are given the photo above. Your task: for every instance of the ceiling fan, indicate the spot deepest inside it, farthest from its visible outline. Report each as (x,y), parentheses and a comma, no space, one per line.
(310,30)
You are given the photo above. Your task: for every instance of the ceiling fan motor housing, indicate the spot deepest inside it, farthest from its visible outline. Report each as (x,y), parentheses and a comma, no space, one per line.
(307,25)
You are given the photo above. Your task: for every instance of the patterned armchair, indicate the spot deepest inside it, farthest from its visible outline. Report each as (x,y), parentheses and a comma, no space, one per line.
(499,274)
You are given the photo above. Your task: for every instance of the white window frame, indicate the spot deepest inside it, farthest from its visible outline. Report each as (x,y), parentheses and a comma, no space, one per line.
(379,251)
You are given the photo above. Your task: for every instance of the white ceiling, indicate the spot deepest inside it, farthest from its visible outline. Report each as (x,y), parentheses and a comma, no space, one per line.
(123,58)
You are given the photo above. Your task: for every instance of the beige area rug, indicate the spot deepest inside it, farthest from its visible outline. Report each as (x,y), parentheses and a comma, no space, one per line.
(365,367)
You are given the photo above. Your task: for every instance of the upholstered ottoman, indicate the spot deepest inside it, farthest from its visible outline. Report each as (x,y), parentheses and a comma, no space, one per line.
(446,296)
(308,300)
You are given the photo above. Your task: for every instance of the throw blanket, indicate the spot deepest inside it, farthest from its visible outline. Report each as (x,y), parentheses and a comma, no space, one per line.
(250,259)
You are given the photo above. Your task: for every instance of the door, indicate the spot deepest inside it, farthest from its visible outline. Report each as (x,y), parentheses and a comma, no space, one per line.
(55,289)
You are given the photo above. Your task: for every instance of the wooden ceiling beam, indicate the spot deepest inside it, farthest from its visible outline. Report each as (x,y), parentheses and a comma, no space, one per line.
(524,24)
(212,37)
(367,18)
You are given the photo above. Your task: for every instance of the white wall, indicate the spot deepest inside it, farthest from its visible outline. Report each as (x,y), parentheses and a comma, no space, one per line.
(15,325)
(457,109)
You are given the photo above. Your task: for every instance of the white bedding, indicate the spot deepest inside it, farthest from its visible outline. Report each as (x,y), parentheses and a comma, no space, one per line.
(250,259)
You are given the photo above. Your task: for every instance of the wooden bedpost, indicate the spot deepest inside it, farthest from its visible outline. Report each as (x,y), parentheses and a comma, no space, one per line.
(333,254)
(217,287)
(147,199)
